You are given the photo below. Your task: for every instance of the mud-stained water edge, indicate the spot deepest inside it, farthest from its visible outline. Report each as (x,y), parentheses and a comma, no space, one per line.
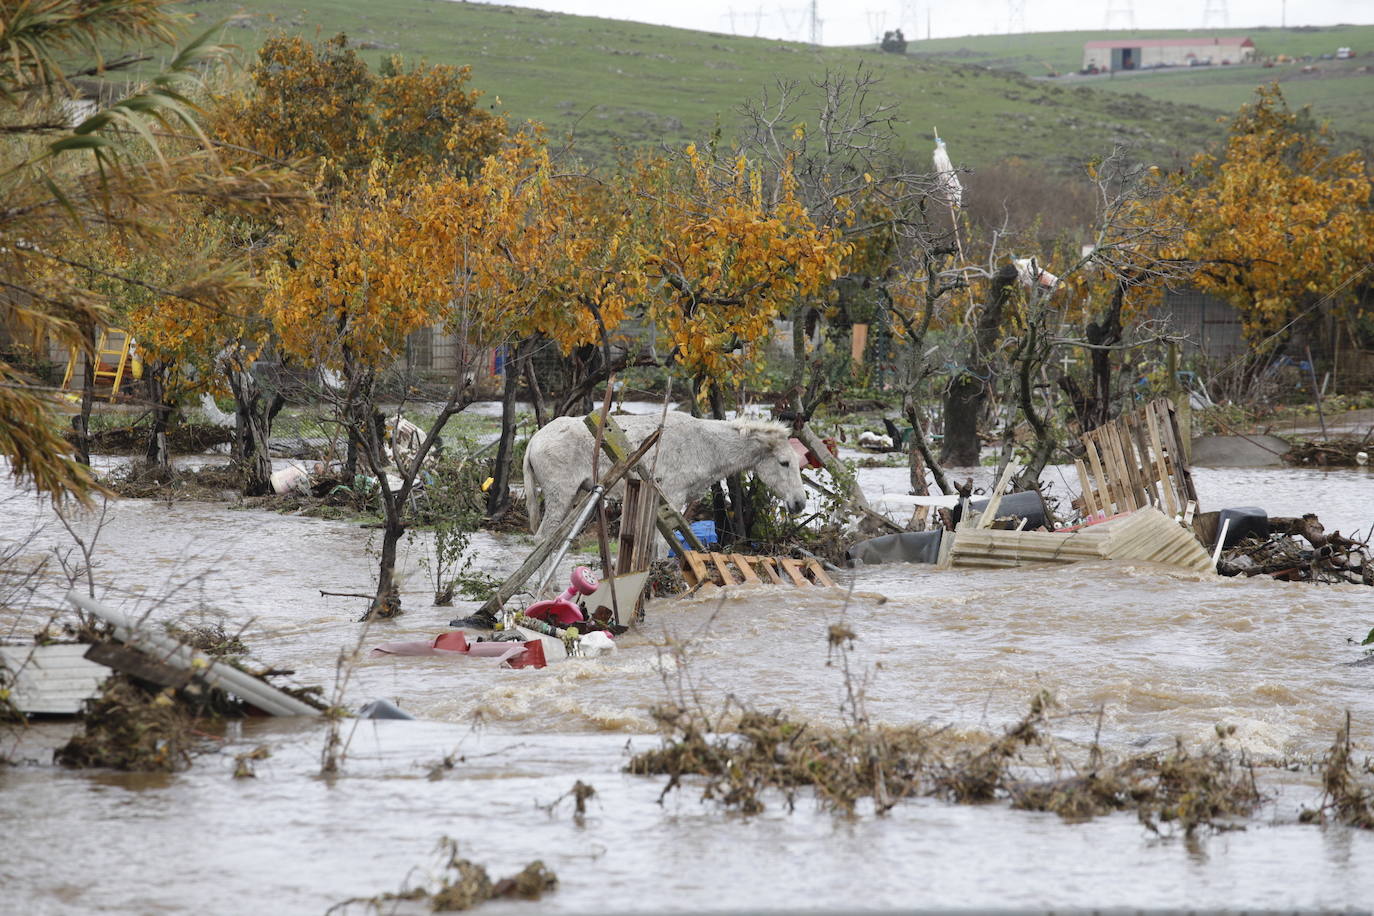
(1161,654)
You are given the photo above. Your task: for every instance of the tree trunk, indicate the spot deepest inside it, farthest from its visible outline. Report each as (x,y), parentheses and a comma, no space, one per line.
(498,497)
(919,445)
(964,400)
(967,394)
(250,431)
(1104,334)
(535,391)
(740,521)
(82,421)
(155,452)
(1033,355)
(387,603)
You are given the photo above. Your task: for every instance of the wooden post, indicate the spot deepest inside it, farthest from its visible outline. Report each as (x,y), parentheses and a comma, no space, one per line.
(615,444)
(555,538)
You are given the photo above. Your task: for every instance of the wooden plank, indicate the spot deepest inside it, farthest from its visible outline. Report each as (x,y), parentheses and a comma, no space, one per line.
(1142,441)
(1185,475)
(1090,508)
(723,567)
(766,564)
(1165,483)
(545,548)
(1116,464)
(1109,504)
(989,514)
(617,445)
(818,573)
(694,568)
(742,564)
(1135,462)
(138,664)
(630,512)
(793,569)
(1119,469)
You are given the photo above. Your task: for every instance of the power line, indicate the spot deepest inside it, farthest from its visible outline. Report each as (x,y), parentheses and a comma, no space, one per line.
(1215,16)
(1120,14)
(1016,17)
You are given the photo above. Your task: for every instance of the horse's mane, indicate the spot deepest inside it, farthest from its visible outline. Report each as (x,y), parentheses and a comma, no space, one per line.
(768,430)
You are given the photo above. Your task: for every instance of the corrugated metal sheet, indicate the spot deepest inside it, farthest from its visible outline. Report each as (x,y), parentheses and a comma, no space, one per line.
(52,680)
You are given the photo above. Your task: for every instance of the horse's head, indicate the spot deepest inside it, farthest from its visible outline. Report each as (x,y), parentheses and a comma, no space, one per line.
(779,466)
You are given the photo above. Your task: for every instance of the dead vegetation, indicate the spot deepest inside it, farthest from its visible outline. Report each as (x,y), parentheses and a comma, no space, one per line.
(128,727)
(182,438)
(139,480)
(1347,795)
(741,760)
(463,884)
(1331,453)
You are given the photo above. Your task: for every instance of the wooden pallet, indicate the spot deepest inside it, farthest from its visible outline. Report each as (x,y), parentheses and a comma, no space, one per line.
(739,569)
(1133,462)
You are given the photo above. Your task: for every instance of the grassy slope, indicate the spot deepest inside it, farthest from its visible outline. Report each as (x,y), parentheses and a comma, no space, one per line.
(1339,93)
(614,81)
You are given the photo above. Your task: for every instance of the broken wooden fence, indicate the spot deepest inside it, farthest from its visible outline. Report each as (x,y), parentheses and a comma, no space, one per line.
(1135,461)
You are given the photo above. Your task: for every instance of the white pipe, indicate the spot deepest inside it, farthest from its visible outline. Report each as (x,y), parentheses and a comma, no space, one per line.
(217,673)
(582,517)
(1221,542)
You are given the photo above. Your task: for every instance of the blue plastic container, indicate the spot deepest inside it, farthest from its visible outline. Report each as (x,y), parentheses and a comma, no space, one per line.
(705,532)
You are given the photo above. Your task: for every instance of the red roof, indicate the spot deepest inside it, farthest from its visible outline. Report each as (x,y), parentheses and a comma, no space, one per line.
(1237,41)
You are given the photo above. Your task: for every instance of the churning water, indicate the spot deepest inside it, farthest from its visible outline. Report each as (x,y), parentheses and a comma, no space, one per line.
(1163,654)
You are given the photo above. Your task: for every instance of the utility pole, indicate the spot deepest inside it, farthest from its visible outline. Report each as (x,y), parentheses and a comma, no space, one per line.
(815,23)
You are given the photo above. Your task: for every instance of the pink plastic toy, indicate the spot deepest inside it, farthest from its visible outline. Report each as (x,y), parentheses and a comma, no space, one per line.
(563,610)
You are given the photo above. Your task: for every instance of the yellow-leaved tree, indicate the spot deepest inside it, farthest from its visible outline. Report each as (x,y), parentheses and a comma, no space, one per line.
(729,260)
(1277,219)
(393,257)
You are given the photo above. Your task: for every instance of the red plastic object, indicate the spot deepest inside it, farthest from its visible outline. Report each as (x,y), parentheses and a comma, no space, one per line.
(810,458)
(563,610)
(453,641)
(532,657)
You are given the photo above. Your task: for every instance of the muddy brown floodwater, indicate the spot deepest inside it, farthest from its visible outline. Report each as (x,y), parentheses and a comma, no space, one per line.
(1163,654)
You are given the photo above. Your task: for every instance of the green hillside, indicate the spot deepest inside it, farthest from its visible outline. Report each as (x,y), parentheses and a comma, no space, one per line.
(613,82)
(1339,92)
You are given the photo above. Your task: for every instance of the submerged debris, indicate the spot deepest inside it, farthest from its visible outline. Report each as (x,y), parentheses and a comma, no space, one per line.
(1179,788)
(1300,550)
(243,763)
(464,884)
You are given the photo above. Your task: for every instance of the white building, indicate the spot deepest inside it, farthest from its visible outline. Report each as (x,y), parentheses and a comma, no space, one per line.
(1147,53)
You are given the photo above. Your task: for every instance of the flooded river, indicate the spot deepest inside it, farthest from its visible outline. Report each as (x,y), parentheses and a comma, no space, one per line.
(1163,654)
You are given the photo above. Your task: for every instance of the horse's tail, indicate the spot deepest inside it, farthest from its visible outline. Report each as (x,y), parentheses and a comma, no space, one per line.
(531,489)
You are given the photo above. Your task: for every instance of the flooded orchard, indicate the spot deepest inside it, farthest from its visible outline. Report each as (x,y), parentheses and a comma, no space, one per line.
(1163,654)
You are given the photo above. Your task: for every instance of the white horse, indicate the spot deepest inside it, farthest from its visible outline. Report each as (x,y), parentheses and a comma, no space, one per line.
(691,455)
